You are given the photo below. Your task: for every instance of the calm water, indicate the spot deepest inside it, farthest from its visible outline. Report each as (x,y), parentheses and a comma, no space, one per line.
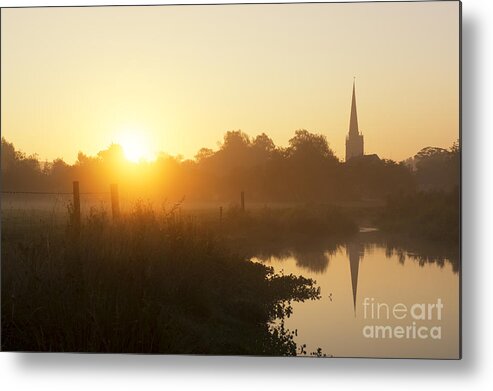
(361,283)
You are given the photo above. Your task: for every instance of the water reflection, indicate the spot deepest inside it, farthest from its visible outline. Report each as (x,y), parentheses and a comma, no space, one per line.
(314,254)
(371,266)
(354,251)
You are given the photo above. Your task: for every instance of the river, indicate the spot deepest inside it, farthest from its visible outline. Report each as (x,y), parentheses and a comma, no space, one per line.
(380,297)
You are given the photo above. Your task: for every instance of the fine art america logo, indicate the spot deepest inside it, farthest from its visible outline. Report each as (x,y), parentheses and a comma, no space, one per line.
(419,320)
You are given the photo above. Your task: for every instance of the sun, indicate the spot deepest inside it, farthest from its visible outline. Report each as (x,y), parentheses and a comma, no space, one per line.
(136,147)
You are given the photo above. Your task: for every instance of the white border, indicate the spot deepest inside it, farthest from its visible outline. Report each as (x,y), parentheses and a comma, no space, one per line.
(119,372)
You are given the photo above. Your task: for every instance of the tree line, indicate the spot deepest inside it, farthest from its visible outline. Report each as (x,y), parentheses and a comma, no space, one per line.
(307,170)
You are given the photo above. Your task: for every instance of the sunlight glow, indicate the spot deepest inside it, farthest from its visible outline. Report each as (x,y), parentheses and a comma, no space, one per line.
(136,147)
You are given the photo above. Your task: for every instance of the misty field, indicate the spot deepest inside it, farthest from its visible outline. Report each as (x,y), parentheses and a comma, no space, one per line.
(151,282)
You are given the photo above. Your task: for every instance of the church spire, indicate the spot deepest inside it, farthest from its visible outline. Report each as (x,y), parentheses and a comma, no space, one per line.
(354,139)
(353,122)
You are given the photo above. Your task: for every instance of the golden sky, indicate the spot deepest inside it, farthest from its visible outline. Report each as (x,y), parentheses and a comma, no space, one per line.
(178,77)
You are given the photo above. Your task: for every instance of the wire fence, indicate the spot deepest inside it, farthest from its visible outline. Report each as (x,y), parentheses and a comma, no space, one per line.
(24,209)
(21,209)
(53,193)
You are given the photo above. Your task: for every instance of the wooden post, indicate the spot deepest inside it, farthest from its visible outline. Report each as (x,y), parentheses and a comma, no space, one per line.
(115,201)
(220,214)
(76,211)
(243,201)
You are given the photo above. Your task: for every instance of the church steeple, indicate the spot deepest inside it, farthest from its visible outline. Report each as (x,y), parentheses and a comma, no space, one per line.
(354,139)
(353,122)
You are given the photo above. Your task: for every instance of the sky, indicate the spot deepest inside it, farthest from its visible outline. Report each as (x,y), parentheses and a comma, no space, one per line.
(176,78)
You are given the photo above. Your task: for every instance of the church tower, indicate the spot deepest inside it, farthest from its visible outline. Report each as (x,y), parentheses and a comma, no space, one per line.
(354,139)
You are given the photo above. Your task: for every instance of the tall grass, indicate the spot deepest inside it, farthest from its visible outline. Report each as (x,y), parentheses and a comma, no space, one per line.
(152,282)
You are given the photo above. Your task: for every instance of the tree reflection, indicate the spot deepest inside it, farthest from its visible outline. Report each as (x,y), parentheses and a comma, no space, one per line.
(314,255)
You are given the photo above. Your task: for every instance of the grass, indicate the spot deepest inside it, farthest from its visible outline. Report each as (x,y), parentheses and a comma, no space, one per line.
(152,282)
(290,223)
(430,215)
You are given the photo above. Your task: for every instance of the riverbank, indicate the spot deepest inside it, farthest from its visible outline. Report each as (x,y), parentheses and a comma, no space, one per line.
(149,283)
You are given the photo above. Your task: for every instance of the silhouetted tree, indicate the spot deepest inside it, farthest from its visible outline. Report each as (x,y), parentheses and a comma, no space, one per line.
(438,168)
(307,170)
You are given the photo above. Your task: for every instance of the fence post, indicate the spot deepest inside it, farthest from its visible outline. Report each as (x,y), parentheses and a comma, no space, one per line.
(76,211)
(115,202)
(243,201)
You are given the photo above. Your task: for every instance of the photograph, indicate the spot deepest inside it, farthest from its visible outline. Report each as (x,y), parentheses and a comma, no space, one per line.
(232,179)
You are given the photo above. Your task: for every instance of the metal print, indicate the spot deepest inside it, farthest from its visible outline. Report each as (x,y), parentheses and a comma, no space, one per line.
(268,179)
